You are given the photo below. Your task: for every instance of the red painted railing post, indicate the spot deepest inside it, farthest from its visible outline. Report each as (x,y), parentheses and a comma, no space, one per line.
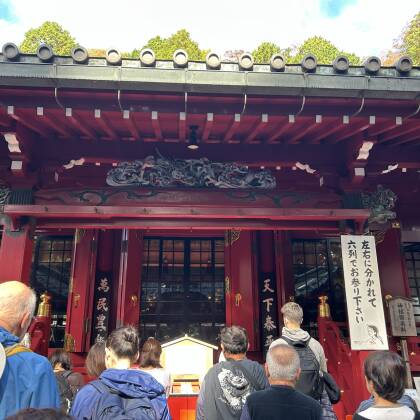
(40,329)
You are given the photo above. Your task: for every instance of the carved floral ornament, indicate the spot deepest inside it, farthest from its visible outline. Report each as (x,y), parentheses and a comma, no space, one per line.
(199,173)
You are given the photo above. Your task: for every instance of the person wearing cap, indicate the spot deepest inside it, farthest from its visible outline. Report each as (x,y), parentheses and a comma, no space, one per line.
(26,378)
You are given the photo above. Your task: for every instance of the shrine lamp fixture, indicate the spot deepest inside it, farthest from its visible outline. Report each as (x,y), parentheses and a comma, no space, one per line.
(192,138)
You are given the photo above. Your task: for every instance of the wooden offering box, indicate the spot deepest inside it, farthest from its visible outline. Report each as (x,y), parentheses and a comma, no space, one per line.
(188,360)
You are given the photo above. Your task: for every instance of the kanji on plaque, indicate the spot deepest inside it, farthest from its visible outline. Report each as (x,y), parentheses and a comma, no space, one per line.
(401,314)
(103,296)
(363,293)
(268,309)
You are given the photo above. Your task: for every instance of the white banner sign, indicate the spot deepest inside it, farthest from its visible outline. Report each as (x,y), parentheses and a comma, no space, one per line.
(363,293)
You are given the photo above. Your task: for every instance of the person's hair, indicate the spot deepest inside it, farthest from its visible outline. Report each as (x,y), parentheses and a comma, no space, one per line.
(234,339)
(150,353)
(95,360)
(40,414)
(293,312)
(62,357)
(374,328)
(16,300)
(388,374)
(124,342)
(283,362)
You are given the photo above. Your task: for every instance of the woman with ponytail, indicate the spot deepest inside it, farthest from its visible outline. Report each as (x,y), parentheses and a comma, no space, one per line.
(120,391)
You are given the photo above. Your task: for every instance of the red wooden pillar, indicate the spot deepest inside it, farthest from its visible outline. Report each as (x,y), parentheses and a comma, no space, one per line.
(391,264)
(241,287)
(16,254)
(284,269)
(80,300)
(128,301)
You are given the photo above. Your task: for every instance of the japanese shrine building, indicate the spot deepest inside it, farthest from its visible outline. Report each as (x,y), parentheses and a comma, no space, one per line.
(185,196)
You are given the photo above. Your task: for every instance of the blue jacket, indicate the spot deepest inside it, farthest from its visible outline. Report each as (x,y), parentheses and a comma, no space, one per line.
(27,381)
(130,383)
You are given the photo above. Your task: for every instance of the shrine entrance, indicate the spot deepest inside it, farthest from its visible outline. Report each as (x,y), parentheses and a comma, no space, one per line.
(182,288)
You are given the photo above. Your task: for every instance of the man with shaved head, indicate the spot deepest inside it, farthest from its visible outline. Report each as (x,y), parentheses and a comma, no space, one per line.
(26,378)
(281,400)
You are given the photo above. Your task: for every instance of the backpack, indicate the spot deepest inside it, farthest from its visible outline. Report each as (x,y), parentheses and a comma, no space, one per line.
(6,352)
(64,390)
(310,381)
(113,405)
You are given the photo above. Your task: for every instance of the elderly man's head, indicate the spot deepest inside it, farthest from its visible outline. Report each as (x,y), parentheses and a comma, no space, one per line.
(234,340)
(282,364)
(17,307)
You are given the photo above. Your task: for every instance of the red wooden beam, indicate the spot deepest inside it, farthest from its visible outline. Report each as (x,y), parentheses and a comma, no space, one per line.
(82,127)
(328,131)
(182,126)
(208,126)
(302,132)
(384,127)
(351,131)
(105,125)
(258,127)
(156,125)
(407,127)
(196,212)
(51,119)
(186,224)
(27,122)
(233,128)
(131,124)
(281,129)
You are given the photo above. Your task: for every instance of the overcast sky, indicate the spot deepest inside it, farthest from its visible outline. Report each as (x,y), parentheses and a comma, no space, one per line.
(365,27)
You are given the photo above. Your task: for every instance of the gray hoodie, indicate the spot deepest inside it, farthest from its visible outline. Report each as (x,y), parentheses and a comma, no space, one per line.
(301,335)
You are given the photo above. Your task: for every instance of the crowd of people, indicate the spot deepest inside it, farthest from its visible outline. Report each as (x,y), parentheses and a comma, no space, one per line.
(131,383)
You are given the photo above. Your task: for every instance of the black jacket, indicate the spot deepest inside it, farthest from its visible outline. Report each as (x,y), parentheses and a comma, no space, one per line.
(281,402)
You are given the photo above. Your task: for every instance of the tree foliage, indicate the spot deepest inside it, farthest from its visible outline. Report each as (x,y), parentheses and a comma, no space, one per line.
(324,50)
(164,48)
(265,51)
(50,33)
(409,40)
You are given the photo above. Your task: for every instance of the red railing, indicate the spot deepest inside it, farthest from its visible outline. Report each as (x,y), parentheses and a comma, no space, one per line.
(344,365)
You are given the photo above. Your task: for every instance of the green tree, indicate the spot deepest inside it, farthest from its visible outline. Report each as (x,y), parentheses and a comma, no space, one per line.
(324,50)
(264,51)
(409,40)
(165,47)
(50,33)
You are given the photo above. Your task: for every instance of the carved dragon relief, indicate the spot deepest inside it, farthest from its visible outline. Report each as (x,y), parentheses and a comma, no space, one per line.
(200,173)
(381,204)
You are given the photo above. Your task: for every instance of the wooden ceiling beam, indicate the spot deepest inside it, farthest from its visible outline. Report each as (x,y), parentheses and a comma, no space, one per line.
(281,129)
(207,126)
(131,124)
(182,127)
(105,125)
(329,130)
(52,121)
(21,119)
(232,128)
(384,127)
(83,128)
(302,133)
(352,131)
(258,127)
(407,127)
(156,125)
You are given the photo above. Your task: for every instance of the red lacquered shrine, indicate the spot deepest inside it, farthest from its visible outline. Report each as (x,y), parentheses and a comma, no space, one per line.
(185,196)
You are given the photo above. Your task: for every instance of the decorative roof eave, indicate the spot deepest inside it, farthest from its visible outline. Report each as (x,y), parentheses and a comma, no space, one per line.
(258,82)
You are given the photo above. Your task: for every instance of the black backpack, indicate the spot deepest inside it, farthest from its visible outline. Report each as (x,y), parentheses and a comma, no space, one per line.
(310,381)
(65,391)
